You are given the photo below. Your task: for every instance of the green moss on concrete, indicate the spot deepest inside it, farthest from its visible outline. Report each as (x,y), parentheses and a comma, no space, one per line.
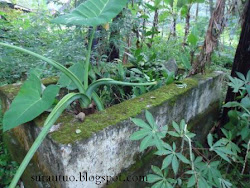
(117,113)
(50,80)
(113,115)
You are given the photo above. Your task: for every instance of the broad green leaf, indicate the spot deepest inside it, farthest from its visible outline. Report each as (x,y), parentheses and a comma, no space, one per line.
(140,123)
(236,84)
(182,158)
(150,118)
(139,134)
(174,146)
(153,178)
(163,16)
(92,13)
(248,88)
(246,102)
(248,76)
(158,142)
(192,39)
(158,184)
(231,104)
(172,133)
(168,185)
(241,76)
(167,161)
(223,156)
(203,183)
(210,140)
(175,164)
(191,181)
(65,81)
(224,150)
(157,3)
(156,170)
(184,11)
(176,127)
(146,142)
(167,146)
(29,103)
(182,124)
(163,152)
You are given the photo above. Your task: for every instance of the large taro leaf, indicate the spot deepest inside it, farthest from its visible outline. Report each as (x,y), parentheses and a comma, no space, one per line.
(78,70)
(29,103)
(92,13)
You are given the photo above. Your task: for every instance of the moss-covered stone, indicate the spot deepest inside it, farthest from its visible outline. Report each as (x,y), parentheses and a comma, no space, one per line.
(123,111)
(103,146)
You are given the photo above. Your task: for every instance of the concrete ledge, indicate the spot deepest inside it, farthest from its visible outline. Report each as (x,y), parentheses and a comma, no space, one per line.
(103,146)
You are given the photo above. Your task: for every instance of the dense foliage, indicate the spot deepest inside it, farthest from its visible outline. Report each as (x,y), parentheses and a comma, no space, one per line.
(127,42)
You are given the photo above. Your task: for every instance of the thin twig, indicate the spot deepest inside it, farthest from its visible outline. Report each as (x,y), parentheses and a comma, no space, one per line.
(244,166)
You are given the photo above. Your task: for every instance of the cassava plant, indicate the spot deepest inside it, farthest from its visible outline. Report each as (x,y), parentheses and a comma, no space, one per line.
(31,100)
(202,167)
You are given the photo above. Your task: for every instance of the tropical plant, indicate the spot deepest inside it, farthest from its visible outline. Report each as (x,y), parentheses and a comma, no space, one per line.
(31,100)
(205,170)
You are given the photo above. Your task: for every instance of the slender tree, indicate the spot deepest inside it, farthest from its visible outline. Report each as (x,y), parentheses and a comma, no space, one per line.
(215,28)
(211,7)
(242,57)
(187,25)
(197,12)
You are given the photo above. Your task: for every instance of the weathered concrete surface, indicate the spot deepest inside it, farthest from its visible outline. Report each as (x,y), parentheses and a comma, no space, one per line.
(103,147)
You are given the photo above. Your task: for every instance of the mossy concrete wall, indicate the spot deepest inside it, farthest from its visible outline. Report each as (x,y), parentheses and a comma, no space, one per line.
(103,147)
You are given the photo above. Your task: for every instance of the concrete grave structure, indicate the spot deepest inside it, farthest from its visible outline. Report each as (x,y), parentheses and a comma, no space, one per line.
(102,146)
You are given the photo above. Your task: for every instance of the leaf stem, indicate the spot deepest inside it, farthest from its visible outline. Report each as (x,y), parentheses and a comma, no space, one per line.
(55,64)
(191,157)
(245,162)
(51,119)
(86,66)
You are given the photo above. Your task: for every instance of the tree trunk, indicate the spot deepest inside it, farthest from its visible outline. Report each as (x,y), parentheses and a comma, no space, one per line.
(114,52)
(211,7)
(242,58)
(174,27)
(197,12)
(155,25)
(215,28)
(187,26)
(127,50)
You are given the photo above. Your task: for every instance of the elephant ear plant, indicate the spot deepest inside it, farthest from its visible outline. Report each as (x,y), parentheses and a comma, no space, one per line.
(31,101)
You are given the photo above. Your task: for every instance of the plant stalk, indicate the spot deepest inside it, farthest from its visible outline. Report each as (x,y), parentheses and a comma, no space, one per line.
(191,160)
(245,162)
(55,64)
(86,66)
(51,119)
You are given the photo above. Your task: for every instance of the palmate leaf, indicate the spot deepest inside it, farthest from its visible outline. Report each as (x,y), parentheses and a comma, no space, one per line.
(29,103)
(140,134)
(141,123)
(152,178)
(92,13)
